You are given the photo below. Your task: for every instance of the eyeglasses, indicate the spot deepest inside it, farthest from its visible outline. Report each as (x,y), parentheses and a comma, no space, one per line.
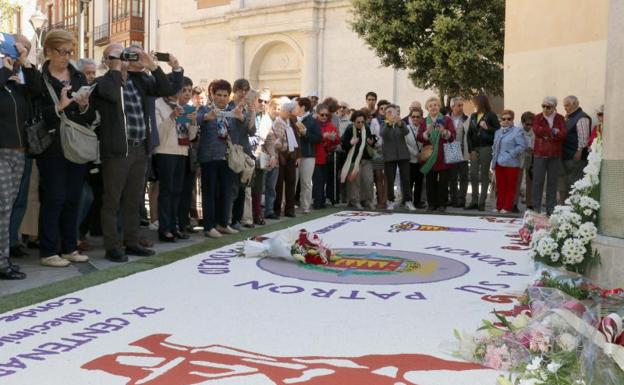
(323,115)
(600,114)
(416,116)
(63,52)
(505,119)
(546,106)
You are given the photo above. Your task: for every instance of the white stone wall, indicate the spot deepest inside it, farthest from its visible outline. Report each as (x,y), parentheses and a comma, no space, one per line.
(206,43)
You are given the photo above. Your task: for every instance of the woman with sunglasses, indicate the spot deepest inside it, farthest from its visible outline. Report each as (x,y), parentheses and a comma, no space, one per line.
(357,172)
(414,123)
(323,170)
(509,145)
(60,179)
(550,132)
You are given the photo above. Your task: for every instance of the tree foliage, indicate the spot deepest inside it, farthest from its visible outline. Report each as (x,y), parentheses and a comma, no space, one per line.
(454,46)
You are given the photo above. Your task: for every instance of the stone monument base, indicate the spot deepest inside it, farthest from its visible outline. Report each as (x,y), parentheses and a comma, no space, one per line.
(610,273)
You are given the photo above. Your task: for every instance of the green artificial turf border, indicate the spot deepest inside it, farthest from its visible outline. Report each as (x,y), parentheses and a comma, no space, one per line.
(70,285)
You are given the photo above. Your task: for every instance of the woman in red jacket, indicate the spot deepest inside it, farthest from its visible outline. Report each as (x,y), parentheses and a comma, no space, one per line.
(438,129)
(330,139)
(550,132)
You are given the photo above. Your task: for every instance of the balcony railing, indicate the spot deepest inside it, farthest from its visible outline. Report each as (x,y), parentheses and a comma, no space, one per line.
(102,34)
(130,24)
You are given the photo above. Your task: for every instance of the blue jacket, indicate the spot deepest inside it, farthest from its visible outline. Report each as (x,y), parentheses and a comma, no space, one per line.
(311,137)
(509,145)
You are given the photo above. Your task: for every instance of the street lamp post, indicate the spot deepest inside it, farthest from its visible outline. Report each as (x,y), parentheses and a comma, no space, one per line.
(81,32)
(38,20)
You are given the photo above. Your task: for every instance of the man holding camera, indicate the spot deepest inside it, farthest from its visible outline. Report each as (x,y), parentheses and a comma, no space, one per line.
(121,98)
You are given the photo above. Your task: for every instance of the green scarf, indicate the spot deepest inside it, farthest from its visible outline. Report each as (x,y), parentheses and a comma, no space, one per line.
(434,137)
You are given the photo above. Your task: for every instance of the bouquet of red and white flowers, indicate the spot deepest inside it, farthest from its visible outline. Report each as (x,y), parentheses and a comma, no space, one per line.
(302,246)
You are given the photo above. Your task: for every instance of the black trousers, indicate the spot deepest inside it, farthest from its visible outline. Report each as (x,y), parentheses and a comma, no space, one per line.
(416,182)
(184,207)
(437,188)
(170,185)
(404,174)
(318,186)
(285,188)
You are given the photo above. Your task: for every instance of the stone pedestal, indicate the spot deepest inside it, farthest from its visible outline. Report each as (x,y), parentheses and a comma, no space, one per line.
(611,224)
(610,274)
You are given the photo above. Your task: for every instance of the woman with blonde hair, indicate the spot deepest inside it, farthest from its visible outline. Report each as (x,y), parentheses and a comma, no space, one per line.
(60,179)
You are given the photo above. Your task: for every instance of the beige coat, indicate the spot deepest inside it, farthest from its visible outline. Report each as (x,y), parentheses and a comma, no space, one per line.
(167,131)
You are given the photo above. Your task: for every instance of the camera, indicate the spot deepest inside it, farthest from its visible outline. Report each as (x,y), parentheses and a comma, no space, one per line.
(129,55)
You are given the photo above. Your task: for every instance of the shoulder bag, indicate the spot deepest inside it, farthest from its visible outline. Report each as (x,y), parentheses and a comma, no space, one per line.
(453,153)
(80,144)
(37,134)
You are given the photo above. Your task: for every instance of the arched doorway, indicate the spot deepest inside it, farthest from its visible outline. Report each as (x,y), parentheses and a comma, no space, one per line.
(277,66)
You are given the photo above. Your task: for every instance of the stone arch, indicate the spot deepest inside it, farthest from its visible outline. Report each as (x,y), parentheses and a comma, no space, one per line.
(277,64)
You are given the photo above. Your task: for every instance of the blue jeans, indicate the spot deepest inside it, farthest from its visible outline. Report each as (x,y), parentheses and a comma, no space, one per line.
(60,185)
(216,183)
(19,207)
(270,181)
(171,169)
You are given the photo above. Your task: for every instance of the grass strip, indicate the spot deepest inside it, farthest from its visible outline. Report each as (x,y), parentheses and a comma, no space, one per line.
(70,285)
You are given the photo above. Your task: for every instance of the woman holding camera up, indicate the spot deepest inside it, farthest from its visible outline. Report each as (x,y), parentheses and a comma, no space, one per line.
(15,95)
(60,179)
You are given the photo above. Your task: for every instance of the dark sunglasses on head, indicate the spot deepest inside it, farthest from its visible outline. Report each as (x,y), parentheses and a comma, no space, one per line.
(506,119)
(546,106)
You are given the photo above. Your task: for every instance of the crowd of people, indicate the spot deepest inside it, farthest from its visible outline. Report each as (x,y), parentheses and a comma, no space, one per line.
(219,153)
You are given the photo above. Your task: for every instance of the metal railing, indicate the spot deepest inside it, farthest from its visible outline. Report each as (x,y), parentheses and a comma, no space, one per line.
(101,34)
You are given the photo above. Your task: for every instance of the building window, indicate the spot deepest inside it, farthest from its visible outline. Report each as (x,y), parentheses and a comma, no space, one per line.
(70,13)
(119,9)
(137,8)
(211,3)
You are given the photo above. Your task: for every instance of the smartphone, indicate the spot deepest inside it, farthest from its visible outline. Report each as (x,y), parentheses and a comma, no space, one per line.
(7,46)
(161,56)
(84,90)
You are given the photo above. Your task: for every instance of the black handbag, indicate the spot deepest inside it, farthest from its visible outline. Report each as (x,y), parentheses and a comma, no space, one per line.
(37,134)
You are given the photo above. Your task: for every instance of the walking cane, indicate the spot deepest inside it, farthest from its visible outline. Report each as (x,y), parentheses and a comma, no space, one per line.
(334,176)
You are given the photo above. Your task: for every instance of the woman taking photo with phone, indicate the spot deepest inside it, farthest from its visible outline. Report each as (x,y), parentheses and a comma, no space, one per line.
(60,179)
(177,127)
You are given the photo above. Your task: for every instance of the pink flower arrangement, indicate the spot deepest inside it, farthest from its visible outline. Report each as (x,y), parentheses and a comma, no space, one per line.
(539,338)
(498,357)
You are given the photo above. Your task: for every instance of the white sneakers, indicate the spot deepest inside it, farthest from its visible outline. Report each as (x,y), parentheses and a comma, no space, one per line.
(75,257)
(226,230)
(410,206)
(153,226)
(391,205)
(64,260)
(213,233)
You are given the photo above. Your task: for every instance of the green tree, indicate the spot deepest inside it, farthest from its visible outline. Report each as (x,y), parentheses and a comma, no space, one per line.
(453,46)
